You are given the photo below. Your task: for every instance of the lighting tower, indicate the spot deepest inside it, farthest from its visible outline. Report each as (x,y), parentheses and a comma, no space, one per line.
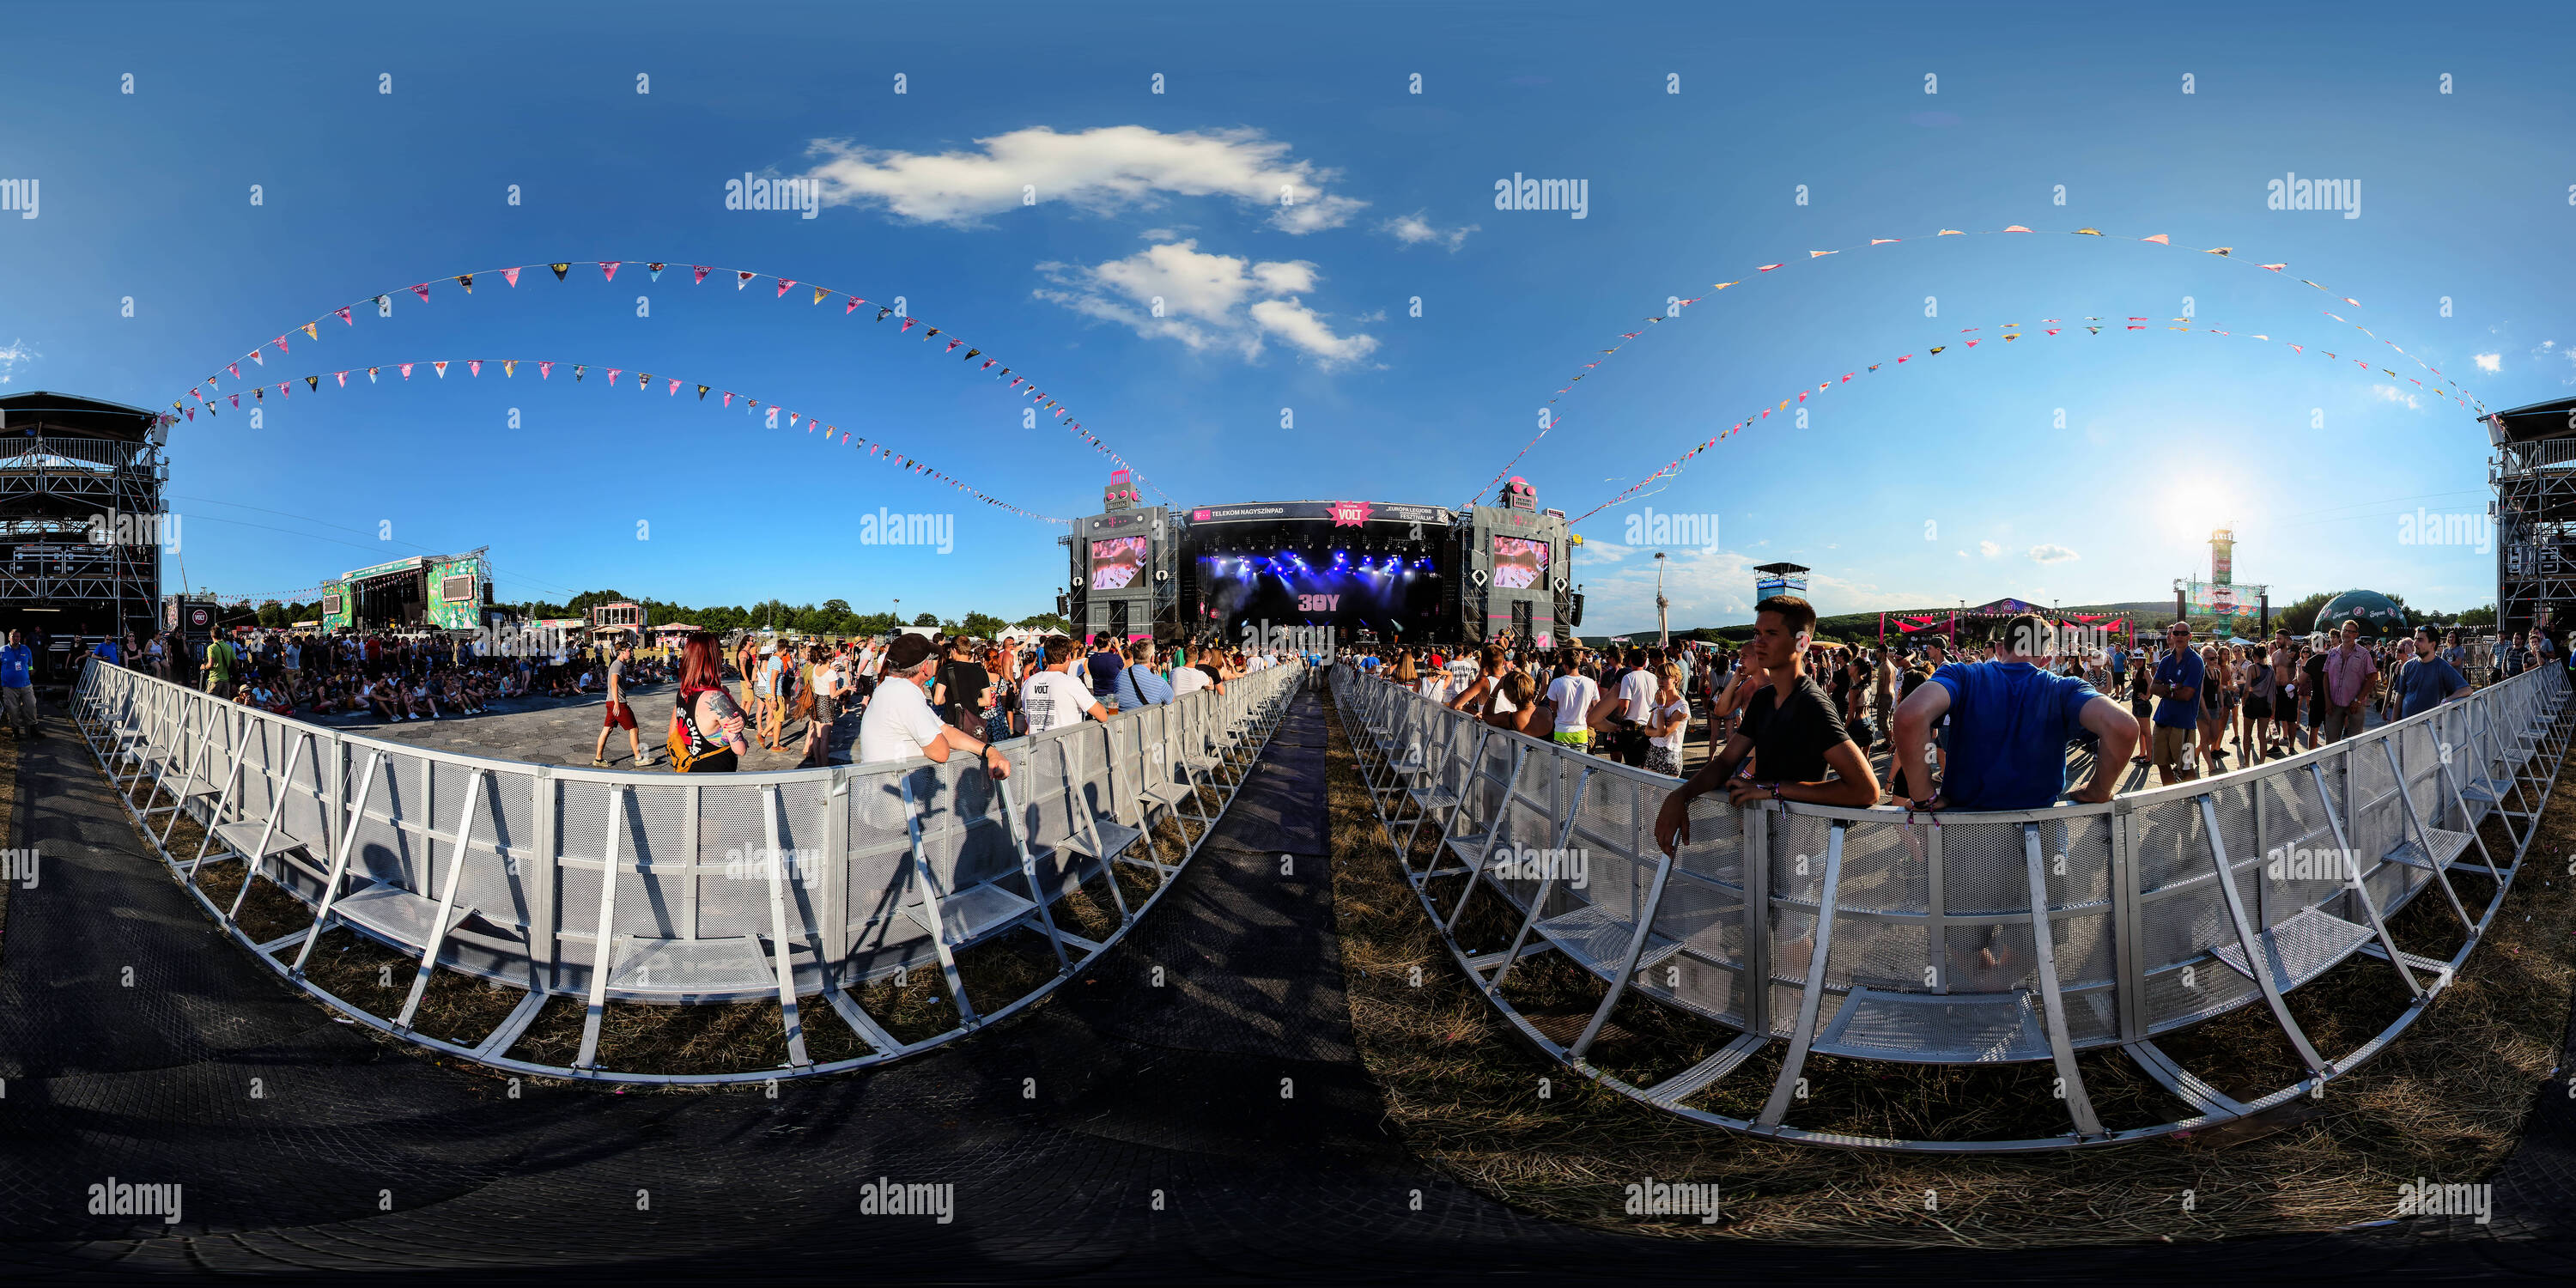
(1663,623)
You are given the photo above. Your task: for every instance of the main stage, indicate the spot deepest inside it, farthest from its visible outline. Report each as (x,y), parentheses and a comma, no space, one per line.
(1384,572)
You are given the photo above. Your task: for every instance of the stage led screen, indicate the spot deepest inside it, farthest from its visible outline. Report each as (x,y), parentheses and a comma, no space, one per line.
(1117,562)
(1387,598)
(1519,562)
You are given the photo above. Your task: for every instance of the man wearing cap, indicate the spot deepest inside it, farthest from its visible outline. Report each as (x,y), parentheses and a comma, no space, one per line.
(899,723)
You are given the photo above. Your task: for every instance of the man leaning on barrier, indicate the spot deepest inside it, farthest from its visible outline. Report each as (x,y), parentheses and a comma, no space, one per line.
(2010,720)
(1790,730)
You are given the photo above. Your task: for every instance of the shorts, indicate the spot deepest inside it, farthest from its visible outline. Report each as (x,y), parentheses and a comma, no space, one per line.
(2258,707)
(827,708)
(1659,760)
(1574,737)
(618,716)
(2317,712)
(2170,743)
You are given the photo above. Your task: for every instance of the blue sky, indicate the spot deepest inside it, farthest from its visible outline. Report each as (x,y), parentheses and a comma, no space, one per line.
(1942,480)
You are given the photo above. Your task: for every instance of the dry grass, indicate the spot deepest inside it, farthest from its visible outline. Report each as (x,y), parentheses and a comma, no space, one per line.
(2446,1100)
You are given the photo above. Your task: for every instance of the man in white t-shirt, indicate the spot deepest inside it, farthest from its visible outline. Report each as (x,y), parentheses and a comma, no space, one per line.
(1573,692)
(1189,679)
(1637,706)
(899,723)
(1055,697)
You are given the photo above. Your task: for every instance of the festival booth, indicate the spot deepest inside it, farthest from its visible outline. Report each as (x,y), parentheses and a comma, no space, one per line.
(1985,619)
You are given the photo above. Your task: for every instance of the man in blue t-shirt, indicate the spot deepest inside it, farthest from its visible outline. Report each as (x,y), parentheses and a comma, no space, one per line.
(2177,685)
(2428,679)
(18,688)
(2010,720)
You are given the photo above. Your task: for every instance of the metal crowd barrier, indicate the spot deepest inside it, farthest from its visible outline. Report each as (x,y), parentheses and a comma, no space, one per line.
(665,888)
(1970,938)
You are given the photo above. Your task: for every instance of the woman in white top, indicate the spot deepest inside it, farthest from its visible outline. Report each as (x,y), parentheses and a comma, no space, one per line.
(1667,725)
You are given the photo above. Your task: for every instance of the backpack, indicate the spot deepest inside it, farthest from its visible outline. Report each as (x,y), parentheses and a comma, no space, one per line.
(682,742)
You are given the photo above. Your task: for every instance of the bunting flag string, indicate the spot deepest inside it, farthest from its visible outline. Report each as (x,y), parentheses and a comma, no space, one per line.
(2008,332)
(206,400)
(1626,338)
(383,305)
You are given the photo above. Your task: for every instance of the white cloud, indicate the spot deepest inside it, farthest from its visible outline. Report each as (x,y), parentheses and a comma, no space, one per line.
(1105,171)
(1963,554)
(2391,393)
(2489,361)
(2050,553)
(1989,549)
(1210,303)
(15,352)
(1416,228)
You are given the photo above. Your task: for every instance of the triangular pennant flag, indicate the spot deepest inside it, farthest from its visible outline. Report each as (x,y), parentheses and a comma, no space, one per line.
(728,398)
(643,379)
(371,375)
(309,333)
(909,323)
(474,366)
(280,342)
(2275,267)
(819,293)
(233,367)
(742,280)
(783,284)
(442,369)
(560,270)
(612,376)
(510,275)
(1813,254)
(577,371)
(608,268)
(466,280)
(1949,232)
(344,378)
(701,270)
(2015,228)
(1767,268)
(344,315)
(674,390)
(545,370)
(406,370)
(2221,250)
(509,367)
(791,422)
(2159,239)
(970,354)
(702,393)
(929,333)
(312,383)
(953,342)
(656,270)
(236,400)
(2089,232)
(852,306)
(421,289)
(1882,241)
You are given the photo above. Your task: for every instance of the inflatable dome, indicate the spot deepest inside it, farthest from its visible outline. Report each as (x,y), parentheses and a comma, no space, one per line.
(2379,617)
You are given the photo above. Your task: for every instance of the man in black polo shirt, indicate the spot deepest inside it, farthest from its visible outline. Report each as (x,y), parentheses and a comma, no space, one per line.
(1790,729)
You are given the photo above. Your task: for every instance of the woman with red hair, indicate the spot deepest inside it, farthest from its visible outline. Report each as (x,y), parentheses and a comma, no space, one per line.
(706,725)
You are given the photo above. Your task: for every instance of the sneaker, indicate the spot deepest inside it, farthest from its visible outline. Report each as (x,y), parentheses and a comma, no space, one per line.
(597,763)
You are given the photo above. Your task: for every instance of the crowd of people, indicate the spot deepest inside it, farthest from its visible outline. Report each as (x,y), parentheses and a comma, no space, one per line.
(1790,718)
(924,695)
